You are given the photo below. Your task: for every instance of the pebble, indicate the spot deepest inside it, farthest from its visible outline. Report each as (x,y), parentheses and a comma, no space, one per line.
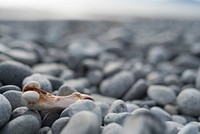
(95,77)
(172,127)
(14,97)
(104,108)
(101,98)
(49,119)
(117,85)
(55,82)
(161,94)
(5,110)
(171,109)
(67,74)
(135,124)
(189,129)
(137,91)
(49,68)
(85,105)
(160,113)
(118,118)
(16,72)
(65,90)
(188,76)
(44,130)
(140,111)
(197,81)
(87,121)
(179,119)
(9,87)
(144,103)
(112,128)
(59,124)
(44,82)
(112,68)
(27,123)
(131,107)
(118,106)
(188,102)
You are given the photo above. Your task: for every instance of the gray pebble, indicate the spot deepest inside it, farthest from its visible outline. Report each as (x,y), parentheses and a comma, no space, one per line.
(197,81)
(161,94)
(26,123)
(67,75)
(140,111)
(144,123)
(171,109)
(59,124)
(5,110)
(118,106)
(9,87)
(131,107)
(101,98)
(172,127)
(117,85)
(84,122)
(85,105)
(188,76)
(16,72)
(189,129)
(118,118)
(144,103)
(112,68)
(44,130)
(112,128)
(190,118)
(55,82)
(49,119)
(172,79)
(79,84)
(44,82)
(95,77)
(104,108)
(65,90)
(137,91)
(54,69)
(188,102)
(25,111)
(155,78)
(14,97)
(160,113)
(179,119)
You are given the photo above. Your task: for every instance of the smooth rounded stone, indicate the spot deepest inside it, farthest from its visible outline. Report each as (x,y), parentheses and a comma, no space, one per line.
(104,99)
(188,76)
(79,84)
(104,108)
(26,123)
(172,127)
(65,90)
(8,88)
(5,110)
(20,111)
(190,118)
(118,106)
(16,72)
(67,74)
(187,61)
(84,48)
(158,54)
(144,103)
(85,105)
(160,113)
(137,91)
(161,94)
(171,109)
(188,102)
(195,49)
(44,82)
(197,81)
(95,76)
(117,85)
(59,124)
(112,128)
(140,111)
(179,119)
(144,123)
(24,56)
(84,122)
(44,130)
(112,68)
(91,64)
(131,107)
(155,78)
(140,71)
(55,82)
(14,97)
(189,129)
(54,69)
(176,89)
(118,118)
(171,80)
(49,119)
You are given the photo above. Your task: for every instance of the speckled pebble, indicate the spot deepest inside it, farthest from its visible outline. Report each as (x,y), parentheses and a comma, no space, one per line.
(5,110)
(87,120)
(118,106)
